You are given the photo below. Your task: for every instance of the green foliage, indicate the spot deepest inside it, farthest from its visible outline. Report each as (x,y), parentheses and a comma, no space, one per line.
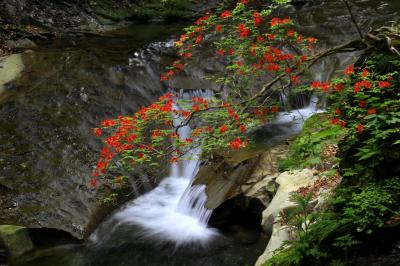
(170,10)
(334,233)
(300,217)
(373,205)
(305,151)
(370,107)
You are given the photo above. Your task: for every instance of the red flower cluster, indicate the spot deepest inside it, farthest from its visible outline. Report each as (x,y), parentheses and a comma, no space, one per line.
(202,19)
(199,39)
(384,84)
(223,129)
(278,21)
(362,84)
(349,71)
(225,14)
(243,31)
(257,19)
(324,86)
(236,144)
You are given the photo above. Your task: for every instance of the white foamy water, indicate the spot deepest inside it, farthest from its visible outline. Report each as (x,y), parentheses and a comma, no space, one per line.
(298,116)
(174,211)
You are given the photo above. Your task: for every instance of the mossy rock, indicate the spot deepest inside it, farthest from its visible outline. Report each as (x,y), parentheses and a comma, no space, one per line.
(16,239)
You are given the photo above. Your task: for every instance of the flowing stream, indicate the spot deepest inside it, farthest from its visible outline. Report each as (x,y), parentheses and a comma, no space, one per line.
(70,85)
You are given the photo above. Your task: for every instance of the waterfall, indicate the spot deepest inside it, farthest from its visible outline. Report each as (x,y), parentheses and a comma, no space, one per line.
(174,211)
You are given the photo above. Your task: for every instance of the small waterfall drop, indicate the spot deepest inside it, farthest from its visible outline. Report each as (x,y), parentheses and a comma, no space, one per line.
(174,211)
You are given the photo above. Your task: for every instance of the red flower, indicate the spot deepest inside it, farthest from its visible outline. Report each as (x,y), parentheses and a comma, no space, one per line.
(221,52)
(315,84)
(182,37)
(274,109)
(311,40)
(93,182)
(242,128)
(339,87)
(277,21)
(131,138)
(222,129)
(366,84)
(362,104)
(174,135)
(372,111)
(236,144)
(365,73)
(260,39)
(257,19)
(188,55)
(360,128)
(334,121)
(303,58)
(225,14)
(218,28)
(325,86)
(338,112)
(269,57)
(349,71)
(384,84)
(196,108)
(166,96)
(273,67)
(244,33)
(200,20)
(108,123)
(199,39)
(97,131)
(290,33)
(189,140)
(295,79)
(271,36)
(174,159)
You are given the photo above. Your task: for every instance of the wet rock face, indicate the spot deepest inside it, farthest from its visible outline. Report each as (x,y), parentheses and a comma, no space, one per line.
(69,14)
(16,239)
(69,86)
(47,149)
(85,15)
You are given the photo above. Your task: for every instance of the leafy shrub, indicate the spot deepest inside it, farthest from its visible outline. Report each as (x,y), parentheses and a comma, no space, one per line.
(369,105)
(355,212)
(306,149)
(170,10)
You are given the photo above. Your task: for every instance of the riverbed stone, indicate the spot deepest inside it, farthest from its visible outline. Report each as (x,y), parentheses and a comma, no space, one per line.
(279,234)
(10,69)
(289,182)
(251,172)
(16,239)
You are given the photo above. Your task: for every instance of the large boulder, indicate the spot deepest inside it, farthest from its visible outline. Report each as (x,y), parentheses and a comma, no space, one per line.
(289,182)
(248,172)
(16,239)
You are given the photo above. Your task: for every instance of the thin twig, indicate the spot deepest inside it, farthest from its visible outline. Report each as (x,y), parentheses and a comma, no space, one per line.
(353,19)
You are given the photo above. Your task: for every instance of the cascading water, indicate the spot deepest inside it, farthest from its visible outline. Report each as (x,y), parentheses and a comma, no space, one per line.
(174,211)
